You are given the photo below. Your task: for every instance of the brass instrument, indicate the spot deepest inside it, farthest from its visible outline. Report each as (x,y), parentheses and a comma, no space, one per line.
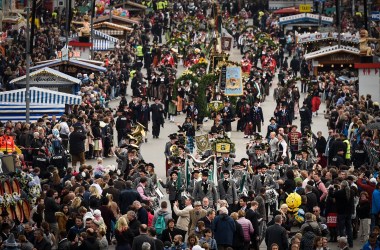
(139,133)
(174,150)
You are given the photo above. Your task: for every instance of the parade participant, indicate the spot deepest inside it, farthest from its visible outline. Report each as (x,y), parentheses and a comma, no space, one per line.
(294,136)
(257,117)
(263,179)
(225,162)
(157,111)
(195,177)
(174,188)
(282,148)
(205,188)
(273,146)
(227,117)
(283,117)
(305,115)
(144,116)
(272,127)
(227,190)
(168,153)
(195,215)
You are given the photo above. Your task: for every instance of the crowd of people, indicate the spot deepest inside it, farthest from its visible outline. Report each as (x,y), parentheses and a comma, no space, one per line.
(295,189)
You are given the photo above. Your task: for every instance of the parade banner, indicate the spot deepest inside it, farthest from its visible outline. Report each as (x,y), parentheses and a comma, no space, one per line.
(202,143)
(222,79)
(234,83)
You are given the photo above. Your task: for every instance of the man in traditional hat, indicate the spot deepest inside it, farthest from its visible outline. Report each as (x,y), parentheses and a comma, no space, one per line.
(227,117)
(194,179)
(227,190)
(225,162)
(262,179)
(157,117)
(205,188)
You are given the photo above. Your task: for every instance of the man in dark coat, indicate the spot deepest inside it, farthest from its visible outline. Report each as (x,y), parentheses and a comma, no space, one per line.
(142,238)
(276,234)
(127,197)
(295,65)
(312,199)
(305,115)
(76,139)
(227,117)
(113,191)
(157,117)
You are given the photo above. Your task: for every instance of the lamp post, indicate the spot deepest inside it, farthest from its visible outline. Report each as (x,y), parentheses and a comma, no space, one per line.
(29,47)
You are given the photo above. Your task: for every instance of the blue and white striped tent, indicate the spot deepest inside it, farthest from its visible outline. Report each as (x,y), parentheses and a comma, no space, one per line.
(42,101)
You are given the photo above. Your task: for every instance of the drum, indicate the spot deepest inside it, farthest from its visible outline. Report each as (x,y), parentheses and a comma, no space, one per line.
(271,196)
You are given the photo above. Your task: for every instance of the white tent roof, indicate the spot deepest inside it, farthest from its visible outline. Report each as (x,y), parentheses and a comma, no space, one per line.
(48,71)
(331,50)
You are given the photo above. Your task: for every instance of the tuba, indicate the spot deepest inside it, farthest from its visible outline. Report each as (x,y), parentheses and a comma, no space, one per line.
(139,132)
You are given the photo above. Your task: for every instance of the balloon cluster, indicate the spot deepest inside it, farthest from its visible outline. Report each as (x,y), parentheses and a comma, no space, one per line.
(120,12)
(101,5)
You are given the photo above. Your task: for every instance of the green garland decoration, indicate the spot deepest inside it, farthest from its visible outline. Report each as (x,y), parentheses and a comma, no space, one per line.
(225,139)
(186,76)
(199,69)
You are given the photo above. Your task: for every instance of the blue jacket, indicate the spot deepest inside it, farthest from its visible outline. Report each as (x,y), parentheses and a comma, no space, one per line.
(368,247)
(224,228)
(375,201)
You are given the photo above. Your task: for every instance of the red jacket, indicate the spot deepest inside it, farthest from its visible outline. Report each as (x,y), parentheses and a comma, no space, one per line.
(369,187)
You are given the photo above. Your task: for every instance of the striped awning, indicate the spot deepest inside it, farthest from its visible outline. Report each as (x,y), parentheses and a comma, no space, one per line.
(114,32)
(101,44)
(105,36)
(39,96)
(16,112)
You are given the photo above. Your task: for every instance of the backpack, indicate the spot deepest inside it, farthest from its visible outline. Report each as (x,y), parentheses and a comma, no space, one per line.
(160,224)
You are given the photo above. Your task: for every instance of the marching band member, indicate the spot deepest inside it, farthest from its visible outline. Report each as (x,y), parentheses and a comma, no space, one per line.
(195,177)
(227,190)
(263,179)
(174,188)
(173,139)
(205,188)
(225,162)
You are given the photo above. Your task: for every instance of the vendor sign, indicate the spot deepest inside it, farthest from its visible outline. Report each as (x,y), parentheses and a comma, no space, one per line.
(234,84)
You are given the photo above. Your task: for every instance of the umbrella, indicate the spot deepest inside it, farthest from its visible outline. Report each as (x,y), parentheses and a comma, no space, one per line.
(289,11)
(373,126)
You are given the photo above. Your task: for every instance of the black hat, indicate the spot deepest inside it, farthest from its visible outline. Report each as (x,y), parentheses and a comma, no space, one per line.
(259,167)
(258,137)
(195,171)
(226,172)
(150,164)
(298,152)
(304,150)
(173,136)
(205,172)
(272,119)
(257,147)
(173,172)
(243,159)
(271,163)
(236,164)
(175,169)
